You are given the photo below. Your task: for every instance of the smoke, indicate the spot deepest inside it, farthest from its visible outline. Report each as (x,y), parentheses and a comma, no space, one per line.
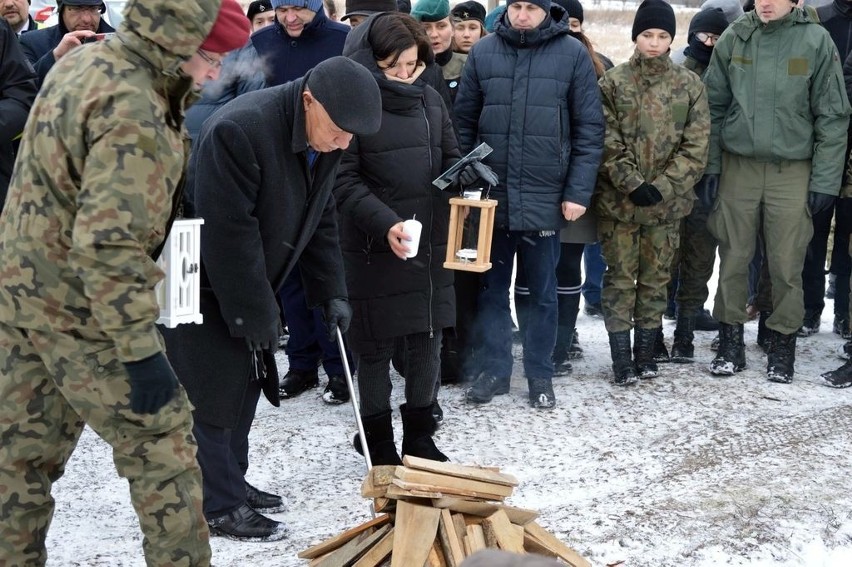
(243,67)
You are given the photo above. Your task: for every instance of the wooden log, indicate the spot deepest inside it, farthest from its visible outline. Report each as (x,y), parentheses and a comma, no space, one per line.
(450,540)
(340,539)
(518,516)
(461,471)
(377,481)
(384,505)
(446,490)
(378,552)
(476,537)
(446,482)
(498,528)
(436,556)
(354,548)
(415,529)
(558,548)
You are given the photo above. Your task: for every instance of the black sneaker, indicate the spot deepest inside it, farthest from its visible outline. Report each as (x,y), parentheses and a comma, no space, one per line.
(594,310)
(245,524)
(337,391)
(297,381)
(264,502)
(561,366)
(485,388)
(541,393)
(839,378)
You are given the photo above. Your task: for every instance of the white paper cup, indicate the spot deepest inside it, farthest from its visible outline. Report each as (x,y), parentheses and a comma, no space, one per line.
(412,228)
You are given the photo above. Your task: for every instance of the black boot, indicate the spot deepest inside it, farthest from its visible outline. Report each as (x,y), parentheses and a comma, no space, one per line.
(810,324)
(661,353)
(683,350)
(417,424)
(781,358)
(730,357)
(840,378)
(704,321)
(622,359)
(379,431)
(643,351)
(575,351)
(764,335)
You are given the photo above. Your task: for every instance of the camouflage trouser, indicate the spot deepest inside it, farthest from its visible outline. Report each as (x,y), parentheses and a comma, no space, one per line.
(51,385)
(694,261)
(780,190)
(638,259)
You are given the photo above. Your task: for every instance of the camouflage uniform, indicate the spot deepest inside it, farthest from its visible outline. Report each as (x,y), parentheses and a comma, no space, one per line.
(657,129)
(89,205)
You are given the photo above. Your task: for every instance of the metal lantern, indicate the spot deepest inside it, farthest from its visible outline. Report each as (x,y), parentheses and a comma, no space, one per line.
(469,241)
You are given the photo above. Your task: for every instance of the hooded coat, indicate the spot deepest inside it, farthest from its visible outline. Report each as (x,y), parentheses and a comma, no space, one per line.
(384,179)
(81,232)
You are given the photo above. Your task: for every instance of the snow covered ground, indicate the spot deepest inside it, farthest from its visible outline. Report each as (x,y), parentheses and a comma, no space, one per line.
(683,470)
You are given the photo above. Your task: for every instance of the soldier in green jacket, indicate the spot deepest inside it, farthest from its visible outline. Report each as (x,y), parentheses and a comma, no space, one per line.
(657,126)
(779,112)
(90,203)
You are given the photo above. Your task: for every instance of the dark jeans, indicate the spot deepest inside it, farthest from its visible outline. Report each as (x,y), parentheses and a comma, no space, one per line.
(595,266)
(841,265)
(308,343)
(539,255)
(813,272)
(223,457)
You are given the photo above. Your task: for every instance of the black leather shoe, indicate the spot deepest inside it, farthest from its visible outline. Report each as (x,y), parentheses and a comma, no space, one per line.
(297,381)
(245,524)
(485,388)
(264,502)
(337,391)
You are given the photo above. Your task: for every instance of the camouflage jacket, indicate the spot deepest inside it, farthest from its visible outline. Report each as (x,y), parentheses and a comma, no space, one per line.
(657,125)
(101,162)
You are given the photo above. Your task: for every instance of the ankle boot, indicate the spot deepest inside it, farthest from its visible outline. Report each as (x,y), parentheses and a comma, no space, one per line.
(661,353)
(622,360)
(764,335)
(643,351)
(379,431)
(417,425)
(730,357)
(682,349)
(781,358)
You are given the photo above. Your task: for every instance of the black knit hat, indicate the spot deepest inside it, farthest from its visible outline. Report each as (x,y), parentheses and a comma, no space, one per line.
(258,7)
(357,109)
(470,10)
(654,14)
(708,21)
(543,4)
(368,7)
(573,7)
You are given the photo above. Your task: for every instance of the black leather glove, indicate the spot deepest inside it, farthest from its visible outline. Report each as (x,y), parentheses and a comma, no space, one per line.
(337,314)
(819,202)
(472,172)
(152,383)
(265,339)
(645,195)
(707,189)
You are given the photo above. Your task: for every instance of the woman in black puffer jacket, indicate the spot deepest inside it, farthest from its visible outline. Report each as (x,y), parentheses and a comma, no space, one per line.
(383,180)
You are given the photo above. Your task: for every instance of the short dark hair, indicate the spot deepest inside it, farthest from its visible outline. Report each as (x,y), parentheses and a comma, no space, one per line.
(394,32)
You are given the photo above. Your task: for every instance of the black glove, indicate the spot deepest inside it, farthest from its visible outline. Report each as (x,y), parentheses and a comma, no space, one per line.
(152,383)
(475,171)
(265,339)
(645,195)
(337,314)
(707,189)
(819,202)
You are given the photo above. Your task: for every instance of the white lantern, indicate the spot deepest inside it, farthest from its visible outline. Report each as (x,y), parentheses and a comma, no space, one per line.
(178,292)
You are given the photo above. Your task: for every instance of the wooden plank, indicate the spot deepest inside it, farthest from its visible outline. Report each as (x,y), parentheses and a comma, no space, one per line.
(461,471)
(476,537)
(498,527)
(416,528)
(558,548)
(518,516)
(397,493)
(447,490)
(378,552)
(333,559)
(356,547)
(461,529)
(340,539)
(377,481)
(444,480)
(436,556)
(450,541)
(532,545)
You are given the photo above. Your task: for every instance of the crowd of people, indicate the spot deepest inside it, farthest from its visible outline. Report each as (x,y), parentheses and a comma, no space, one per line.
(307,144)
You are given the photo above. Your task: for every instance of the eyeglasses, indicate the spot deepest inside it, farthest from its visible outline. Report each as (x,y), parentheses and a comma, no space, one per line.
(214,63)
(91,10)
(704,37)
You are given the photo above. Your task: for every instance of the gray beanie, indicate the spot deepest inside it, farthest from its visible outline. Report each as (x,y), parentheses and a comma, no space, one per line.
(356,109)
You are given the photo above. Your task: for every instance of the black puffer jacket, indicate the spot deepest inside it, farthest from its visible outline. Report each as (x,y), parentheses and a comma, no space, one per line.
(384,179)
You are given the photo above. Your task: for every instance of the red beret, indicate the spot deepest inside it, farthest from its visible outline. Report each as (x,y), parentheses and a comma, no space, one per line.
(230,30)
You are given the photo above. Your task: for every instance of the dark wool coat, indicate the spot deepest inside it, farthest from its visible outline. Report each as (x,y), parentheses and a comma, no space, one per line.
(263,211)
(38,45)
(384,179)
(533,97)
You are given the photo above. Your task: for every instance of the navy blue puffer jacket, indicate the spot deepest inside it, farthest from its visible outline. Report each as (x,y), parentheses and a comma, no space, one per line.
(533,97)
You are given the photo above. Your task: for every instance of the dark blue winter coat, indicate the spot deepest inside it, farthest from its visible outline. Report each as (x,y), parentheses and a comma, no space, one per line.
(38,45)
(286,58)
(533,97)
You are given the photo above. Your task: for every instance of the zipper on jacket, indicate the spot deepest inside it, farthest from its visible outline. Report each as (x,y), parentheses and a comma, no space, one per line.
(429,202)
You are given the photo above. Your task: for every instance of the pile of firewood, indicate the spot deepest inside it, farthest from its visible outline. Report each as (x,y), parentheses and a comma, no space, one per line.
(435,515)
